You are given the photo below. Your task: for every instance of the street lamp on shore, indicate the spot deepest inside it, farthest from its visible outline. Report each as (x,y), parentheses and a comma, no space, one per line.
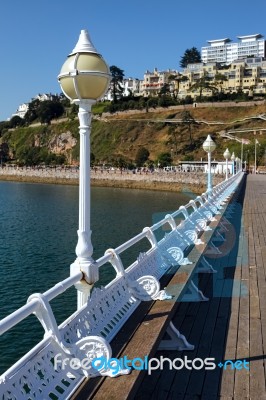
(84,78)
(237,164)
(227,155)
(242,149)
(255,156)
(233,157)
(209,146)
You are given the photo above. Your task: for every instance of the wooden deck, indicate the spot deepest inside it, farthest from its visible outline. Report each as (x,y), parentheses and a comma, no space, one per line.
(232,325)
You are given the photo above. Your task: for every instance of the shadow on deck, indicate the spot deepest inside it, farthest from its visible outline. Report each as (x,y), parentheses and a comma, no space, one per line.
(214,327)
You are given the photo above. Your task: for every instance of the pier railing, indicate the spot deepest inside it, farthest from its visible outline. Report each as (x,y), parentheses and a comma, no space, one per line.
(88,332)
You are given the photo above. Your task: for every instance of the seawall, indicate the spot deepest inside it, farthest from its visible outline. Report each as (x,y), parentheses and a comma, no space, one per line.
(169,181)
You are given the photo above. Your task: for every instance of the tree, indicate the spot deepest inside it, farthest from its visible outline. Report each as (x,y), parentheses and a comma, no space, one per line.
(219,79)
(177,79)
(16,121)
(120,162)
(191,56)
(26,155)
(187,123)
(4,152)
(152,102)
(32,114)
(49,110)
(116,80)
(203,83)
(165,89)
(164,159)
(141,156)
(175,136)
(166,101)
(92,159)
(4,126)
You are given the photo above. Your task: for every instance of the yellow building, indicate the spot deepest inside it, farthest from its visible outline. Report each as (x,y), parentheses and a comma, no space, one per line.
(153,82)
(248,75)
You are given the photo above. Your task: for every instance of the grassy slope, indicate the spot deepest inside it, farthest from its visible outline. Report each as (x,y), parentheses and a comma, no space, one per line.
(123,134)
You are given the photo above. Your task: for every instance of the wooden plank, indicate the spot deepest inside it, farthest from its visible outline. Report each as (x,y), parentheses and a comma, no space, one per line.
(241,389)
(209,323)
(225,331)
(148,333)
(192,328)
(186,383)
(228,376)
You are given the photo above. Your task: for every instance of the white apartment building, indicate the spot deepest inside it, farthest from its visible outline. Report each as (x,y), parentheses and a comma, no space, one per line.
(225,51)
(23,108)
(129,85)
(44,97)
(151,84)
(21,111)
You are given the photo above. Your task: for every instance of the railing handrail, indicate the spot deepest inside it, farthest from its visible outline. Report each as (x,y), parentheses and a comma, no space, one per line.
(29,308)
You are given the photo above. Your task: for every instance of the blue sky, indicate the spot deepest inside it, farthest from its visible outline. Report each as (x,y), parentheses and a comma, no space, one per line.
(36,37)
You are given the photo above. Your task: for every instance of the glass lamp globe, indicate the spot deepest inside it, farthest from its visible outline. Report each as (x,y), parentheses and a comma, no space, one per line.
(209,145)
(233,157)
(227,154)
(85,74)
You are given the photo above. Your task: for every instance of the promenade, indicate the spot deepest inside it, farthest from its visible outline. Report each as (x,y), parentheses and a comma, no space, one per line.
(156,180)
(232,324)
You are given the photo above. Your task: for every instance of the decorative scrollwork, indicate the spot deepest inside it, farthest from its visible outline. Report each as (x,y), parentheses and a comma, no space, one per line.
(90,348)
(192,235)
(202,223)
(208,214)
(177,254)
(145,288)
(214,209)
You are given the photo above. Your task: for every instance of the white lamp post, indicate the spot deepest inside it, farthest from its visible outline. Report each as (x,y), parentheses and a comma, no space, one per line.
(84,78)
(242,145)
(255,156)
(227,155)
(237,164)
(209,146)
(233,157)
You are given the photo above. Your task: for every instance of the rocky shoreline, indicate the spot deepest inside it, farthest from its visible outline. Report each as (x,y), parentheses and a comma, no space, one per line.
(160,180)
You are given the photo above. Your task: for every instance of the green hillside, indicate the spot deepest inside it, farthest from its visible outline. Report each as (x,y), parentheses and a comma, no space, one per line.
(120,136)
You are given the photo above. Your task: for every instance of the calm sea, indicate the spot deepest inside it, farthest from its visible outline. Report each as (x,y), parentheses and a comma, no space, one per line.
(38,235)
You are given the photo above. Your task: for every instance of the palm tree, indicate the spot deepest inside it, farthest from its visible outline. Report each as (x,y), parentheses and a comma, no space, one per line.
(219,79)
(177,79)
(201,84)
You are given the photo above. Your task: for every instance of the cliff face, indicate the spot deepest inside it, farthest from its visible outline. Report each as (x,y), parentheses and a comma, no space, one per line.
(121,135)
(60,139)
(62,143)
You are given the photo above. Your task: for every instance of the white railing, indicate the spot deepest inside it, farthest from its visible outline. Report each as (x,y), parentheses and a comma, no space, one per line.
(90,329)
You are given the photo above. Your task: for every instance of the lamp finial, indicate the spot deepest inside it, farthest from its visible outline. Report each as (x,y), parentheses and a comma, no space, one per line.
(84,44)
